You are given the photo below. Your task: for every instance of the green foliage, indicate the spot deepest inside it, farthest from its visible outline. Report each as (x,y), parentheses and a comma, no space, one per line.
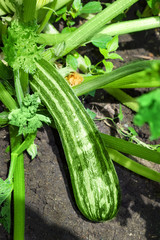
(5,189)
(120,115)
(3,119)
(149,112)
(32,150)
(154,5)
(152,9)
(111,46)
(20,48)
(108,47)
(91,7)
(100,40)
(91,113)
(5,214)
(26,117)
(77,9)
(5,72)
(72,62)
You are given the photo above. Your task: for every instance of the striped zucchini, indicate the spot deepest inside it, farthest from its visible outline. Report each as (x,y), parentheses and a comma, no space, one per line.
(93,177)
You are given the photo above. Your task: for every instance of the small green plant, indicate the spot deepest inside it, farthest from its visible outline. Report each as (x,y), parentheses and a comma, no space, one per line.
(36,58)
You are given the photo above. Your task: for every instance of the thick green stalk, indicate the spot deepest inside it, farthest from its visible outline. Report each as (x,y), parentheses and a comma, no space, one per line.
(18,87)
(25,144)
(111,30)
(61,3)
(19,199)
(5,72)
(94,83)
(124,146)
(29,10)
(86,31)
(47,17)
(131,26)
(17,173)
(91,27)
(24,80)
(133,166)
(58,5)
(124,98)
(6,98)
(42,11)
(143,79)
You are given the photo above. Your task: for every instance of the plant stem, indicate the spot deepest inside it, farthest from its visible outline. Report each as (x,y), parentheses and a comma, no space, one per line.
(17,171)
(91,27)
(47,17)
(124,98)
(18,87)
(25,144)
(94,83)
(29,10)
(86,31)
(24,80)
(19,199)
(61,3)
(133,166)
(6,98)
(131,148)
(131,26)
(112,30)
(58,4)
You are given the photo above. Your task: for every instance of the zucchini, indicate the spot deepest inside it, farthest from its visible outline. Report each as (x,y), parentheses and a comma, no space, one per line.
(94,180)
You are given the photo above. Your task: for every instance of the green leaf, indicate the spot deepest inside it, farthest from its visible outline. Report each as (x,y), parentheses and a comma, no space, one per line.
(3,118)
(41,3)
(26,117)
(108,65)
(76,5)
(104,52)
(91,7)
(92,93)
(6,188)
(5,214)
(100,40)
(114,56)
(87,61)
(149,112)
(112,45)
(120,115)
(20,47)
(32,150)
(68,29)
(61,11)
(72,62)
(91,114)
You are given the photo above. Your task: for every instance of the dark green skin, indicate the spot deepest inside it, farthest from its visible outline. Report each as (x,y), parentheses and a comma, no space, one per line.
(93,176)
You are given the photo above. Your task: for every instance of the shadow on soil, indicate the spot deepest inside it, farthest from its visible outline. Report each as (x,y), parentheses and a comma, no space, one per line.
(38,229)
(140,202)
(140,199)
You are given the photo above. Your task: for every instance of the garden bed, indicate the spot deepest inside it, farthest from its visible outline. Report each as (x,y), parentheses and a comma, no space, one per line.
(51,212)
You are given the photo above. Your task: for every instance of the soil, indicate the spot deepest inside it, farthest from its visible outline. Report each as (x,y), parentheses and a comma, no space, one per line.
(51,212)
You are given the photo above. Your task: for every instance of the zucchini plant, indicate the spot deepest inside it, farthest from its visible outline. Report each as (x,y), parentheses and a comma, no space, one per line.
(34,90)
